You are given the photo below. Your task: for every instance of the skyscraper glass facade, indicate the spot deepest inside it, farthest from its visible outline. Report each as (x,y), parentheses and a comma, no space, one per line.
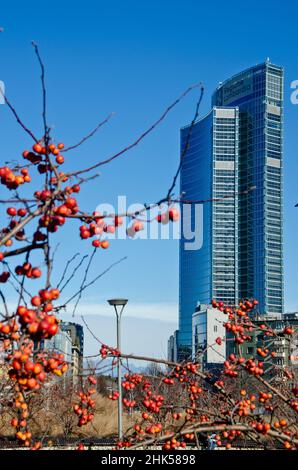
(235,158)
(258,92)
(209,171)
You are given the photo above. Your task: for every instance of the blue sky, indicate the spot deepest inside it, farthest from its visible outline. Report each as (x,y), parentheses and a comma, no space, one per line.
(134,58)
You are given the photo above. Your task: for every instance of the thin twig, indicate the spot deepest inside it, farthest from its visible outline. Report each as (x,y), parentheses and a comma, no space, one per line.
(91,283)
(44,92)
(75,270)
(91,134)
(84,280)
(66,268)
(140,138)
(186,146)
(14,112)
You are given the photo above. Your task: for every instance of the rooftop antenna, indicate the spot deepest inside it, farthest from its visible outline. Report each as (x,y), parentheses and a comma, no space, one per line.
(267,60)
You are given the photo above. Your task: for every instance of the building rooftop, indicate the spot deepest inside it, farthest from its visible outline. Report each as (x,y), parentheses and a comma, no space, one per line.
(249,69)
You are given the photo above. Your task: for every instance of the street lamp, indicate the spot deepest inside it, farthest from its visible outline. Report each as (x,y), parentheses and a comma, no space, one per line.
(119,305)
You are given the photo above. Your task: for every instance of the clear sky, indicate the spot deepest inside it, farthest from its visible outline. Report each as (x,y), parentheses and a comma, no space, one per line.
(134,58)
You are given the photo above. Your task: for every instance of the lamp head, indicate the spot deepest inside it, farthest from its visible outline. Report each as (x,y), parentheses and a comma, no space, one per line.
(118,302)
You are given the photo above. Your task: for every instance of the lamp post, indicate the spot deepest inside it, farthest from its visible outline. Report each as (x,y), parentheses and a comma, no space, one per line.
(119,305)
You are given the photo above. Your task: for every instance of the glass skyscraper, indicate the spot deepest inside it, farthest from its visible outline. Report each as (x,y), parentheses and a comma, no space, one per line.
(234,158)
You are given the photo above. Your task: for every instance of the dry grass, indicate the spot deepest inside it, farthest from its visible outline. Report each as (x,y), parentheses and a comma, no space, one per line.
(106,419)
(54,423)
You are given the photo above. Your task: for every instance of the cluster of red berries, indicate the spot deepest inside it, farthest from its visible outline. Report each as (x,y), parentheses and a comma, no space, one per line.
(168,381)
(264,397)
(246,405)
(105,350)
(243,309)
(114,396)
(38,324)
(19,235)
(13,212)
(238,331)
(177,416)
(12,180)
(22,433)
(153,402)
(131,381)
(228,436)
(129,403)
(194,391)
(294,404)
(261,427)
(10,330)
(69,207)
(40,155)
(171,214)
(27,270)
(262,352)
(51,222)
(266,330)
(254,367)
(288,330)
(173,444)
(30,374)
(124,444)
(154,428)
(96,229)
(55,363)
(182,372)
(230,367)
(84,409)
(45,298)
(55,218)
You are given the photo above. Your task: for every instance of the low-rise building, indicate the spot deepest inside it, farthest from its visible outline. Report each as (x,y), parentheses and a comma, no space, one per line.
(208,336)
(70,342)
(76,333)
(282,349)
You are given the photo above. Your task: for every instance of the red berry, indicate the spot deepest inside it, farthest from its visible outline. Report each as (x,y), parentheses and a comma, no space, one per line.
(36,301)
(173,214)
(36,272)
(11,211)
(118,220)
(85,234)
(22,212)
(37,148)
(59,159)
(137,226)
(76,188)
(71,202)
(55,293)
